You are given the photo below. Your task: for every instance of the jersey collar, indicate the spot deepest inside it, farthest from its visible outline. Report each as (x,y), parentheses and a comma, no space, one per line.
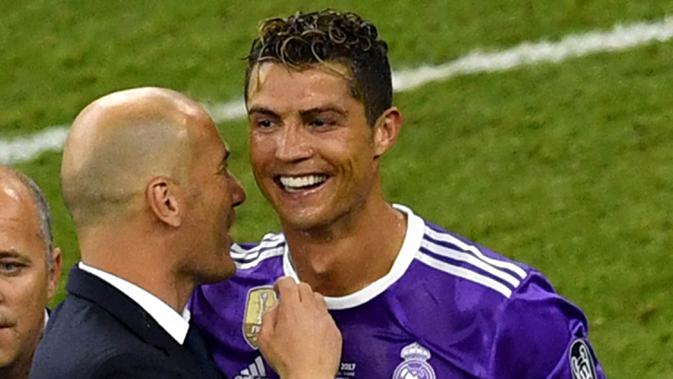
(412,241)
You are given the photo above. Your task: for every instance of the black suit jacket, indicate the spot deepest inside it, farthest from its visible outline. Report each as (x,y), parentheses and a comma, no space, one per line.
(99,332)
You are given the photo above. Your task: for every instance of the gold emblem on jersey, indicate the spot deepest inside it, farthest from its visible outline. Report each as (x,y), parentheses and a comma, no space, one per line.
(260,299)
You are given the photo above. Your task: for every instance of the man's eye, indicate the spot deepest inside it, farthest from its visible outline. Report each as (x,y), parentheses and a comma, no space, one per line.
(318,123)
(10,268)
(322,123)
(264,124)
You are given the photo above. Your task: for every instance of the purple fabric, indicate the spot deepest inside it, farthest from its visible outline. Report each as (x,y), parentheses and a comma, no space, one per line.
(428,324)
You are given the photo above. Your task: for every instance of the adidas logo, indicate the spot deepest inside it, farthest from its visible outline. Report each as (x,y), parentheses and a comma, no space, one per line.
(255,370)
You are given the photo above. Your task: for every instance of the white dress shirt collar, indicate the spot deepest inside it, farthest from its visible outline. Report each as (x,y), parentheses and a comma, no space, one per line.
(173,323)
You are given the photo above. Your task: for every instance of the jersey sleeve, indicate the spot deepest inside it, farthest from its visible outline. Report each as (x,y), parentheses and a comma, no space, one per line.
(542,335)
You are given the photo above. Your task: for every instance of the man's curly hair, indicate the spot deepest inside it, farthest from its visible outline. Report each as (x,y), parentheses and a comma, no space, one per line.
(306,39)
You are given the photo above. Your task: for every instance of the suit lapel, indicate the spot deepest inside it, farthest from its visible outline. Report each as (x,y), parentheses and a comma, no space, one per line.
(129,313)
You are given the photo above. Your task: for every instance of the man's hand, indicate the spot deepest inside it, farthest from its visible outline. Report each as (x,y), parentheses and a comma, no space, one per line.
(298,337)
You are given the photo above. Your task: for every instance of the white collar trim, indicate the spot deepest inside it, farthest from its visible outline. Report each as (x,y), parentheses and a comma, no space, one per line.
(412,241)
(175,324)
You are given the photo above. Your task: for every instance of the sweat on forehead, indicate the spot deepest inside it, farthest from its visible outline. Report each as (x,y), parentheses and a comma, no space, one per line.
(335,69)
(19,203)
(13,192)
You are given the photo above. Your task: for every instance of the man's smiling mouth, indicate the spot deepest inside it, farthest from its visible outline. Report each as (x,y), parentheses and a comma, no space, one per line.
(301,183)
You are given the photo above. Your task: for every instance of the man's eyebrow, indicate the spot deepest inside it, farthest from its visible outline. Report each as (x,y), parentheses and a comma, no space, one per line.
(325,109)
(11,253)
(223,162)
(8,253)
(262,110)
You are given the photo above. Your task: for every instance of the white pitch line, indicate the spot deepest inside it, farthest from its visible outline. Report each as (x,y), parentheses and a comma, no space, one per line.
(621,37)
(27,148)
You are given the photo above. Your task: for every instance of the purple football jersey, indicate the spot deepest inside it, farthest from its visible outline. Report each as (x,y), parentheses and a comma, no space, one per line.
(448,308)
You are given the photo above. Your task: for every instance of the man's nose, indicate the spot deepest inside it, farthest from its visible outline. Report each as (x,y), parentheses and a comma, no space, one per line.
(237,192)
(294,143)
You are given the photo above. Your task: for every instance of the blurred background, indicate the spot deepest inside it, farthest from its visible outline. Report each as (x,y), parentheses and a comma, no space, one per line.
(564,165)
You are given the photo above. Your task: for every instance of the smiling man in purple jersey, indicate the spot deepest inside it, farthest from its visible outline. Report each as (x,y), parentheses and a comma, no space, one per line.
(411,299)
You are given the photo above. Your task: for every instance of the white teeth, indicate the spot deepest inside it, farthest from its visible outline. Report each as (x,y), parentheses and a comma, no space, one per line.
(299,182)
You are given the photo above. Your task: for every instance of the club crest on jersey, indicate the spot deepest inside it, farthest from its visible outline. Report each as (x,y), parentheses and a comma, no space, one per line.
(581,362)
(260,299)
(415,365)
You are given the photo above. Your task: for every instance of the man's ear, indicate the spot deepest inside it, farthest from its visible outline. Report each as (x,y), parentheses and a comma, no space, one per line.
(54,272)
(162,199)
(386,130)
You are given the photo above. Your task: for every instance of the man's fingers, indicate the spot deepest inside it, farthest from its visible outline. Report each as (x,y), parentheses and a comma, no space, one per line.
(291,293)
(269,317)
(305,292)
(268,325)
(287,290)
(320,300)
(300,331)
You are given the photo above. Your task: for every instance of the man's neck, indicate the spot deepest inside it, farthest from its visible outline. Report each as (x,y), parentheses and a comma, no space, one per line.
(342,259)
(129,259)
(175,293)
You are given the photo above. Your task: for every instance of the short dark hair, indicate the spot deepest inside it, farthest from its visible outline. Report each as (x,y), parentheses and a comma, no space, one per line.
(306,39)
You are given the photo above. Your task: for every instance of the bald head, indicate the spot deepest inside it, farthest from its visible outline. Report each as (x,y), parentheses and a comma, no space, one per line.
(20,195)
(122,140)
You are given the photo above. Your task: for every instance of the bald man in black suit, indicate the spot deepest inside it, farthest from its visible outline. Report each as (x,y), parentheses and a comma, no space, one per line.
(145,178)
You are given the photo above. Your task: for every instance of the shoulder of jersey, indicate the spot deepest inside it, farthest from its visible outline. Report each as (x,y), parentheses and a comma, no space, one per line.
(250,255)
(459,257)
